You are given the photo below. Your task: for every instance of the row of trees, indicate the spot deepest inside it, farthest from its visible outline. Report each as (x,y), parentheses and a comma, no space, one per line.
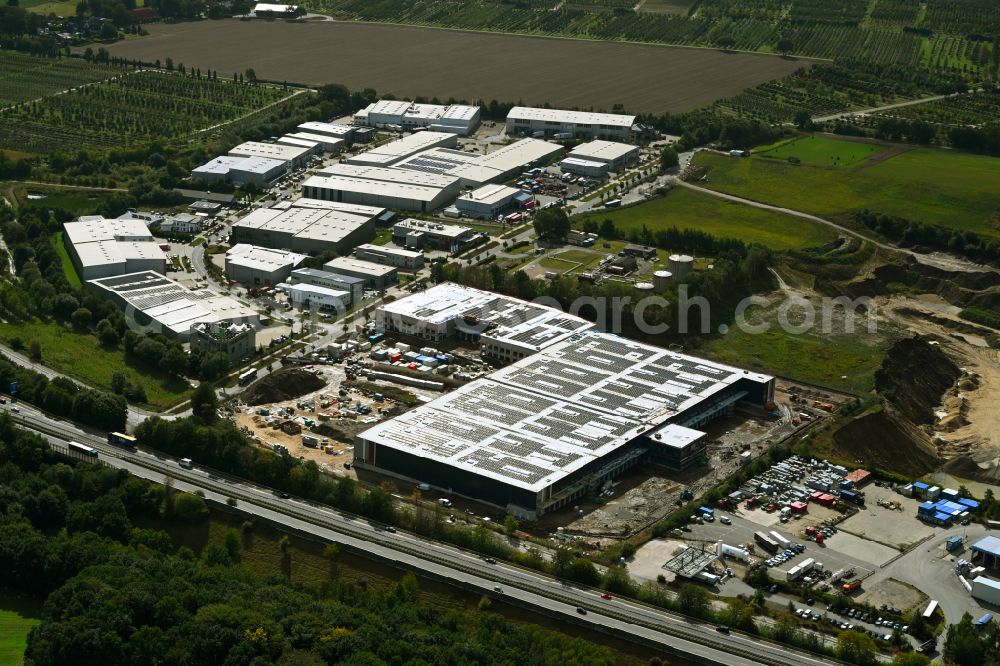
(910,233)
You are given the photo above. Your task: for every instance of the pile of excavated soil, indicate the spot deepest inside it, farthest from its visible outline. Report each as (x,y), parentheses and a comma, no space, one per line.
(285,384)
(888,442)
(914,378)
(965,467)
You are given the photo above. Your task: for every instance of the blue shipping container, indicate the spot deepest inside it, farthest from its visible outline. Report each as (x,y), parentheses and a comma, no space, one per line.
(705,511)
(984,620)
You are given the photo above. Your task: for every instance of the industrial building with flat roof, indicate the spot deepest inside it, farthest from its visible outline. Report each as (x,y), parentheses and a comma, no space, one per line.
(235,340)
(400,114)
(304,295)
(491,201)
(381,186)
(240,170)
(164,306)
(395,151)
(343,132)
(388,255)
(329,144)
(597,158)
(252,265)
(354,286)
(100,247)
(293,156)
(314,147)
(558,425)
(427,234)
(376,276)
(506,162)
(578,124)
(304,230)
(506,328)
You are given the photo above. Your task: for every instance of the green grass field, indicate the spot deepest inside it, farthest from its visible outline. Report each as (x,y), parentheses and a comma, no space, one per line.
(81,356)
(948,188)
(17,616)
(840,361)
(687,209)
(76,202)
(45,8)
(69,270)
(821,151)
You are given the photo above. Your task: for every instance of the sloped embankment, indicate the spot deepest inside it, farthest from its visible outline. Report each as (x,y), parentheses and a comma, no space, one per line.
(912,382)
(285,384)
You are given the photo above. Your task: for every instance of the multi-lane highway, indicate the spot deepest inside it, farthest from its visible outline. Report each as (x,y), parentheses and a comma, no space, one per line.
(675,634)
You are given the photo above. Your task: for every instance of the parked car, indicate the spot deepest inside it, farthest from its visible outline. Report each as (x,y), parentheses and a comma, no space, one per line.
(725,520)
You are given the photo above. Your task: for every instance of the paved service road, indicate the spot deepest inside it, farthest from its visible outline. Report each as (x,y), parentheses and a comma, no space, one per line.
(642,623)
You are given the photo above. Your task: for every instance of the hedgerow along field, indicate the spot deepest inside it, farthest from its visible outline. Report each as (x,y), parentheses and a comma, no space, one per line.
(409,61)
(132,107)
(947,188)
(686,209)
(25,77)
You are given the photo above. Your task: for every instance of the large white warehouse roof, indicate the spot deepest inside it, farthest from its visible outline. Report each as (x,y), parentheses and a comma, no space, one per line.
(570,117)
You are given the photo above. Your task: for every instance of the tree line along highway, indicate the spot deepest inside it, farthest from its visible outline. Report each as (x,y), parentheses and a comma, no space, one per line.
(643,624)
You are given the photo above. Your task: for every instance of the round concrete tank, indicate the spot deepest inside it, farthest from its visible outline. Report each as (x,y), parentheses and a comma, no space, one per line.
(661,280)
(680,265)
(644,286)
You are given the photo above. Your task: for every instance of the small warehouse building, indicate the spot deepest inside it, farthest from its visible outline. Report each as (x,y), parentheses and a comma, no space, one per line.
(354,286)
(314,147)
(292,156)
(614,155)
(240,170)
(207,208)
(235,340)
(527,121)
(388,255)
(343,133)
(489,201)
(434,235)
(376,276)
(309,296)
(987,552)
(260,266)
(327,144)
(304,230)
(100,247)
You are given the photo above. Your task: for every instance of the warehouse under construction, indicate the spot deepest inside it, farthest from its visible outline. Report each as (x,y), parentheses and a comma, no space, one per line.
(560,424)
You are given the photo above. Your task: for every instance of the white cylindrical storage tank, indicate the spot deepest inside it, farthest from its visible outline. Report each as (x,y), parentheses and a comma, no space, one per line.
(644,286)
(680,265)
(732,551)
(661,281)
(719,546)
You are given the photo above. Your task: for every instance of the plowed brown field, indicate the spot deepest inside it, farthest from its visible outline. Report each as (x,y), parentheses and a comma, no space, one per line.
(409,61)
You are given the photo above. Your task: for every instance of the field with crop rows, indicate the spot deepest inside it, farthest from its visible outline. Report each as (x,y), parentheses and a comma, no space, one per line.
(826,90)
(136,107)
(25,77)
(962,110)
(570,73)
(879,31)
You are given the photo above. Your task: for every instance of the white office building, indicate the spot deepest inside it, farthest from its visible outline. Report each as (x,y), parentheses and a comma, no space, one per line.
(576,124)
(434,235)
(354,286)
(376,276)
(309,296)
(344,133)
